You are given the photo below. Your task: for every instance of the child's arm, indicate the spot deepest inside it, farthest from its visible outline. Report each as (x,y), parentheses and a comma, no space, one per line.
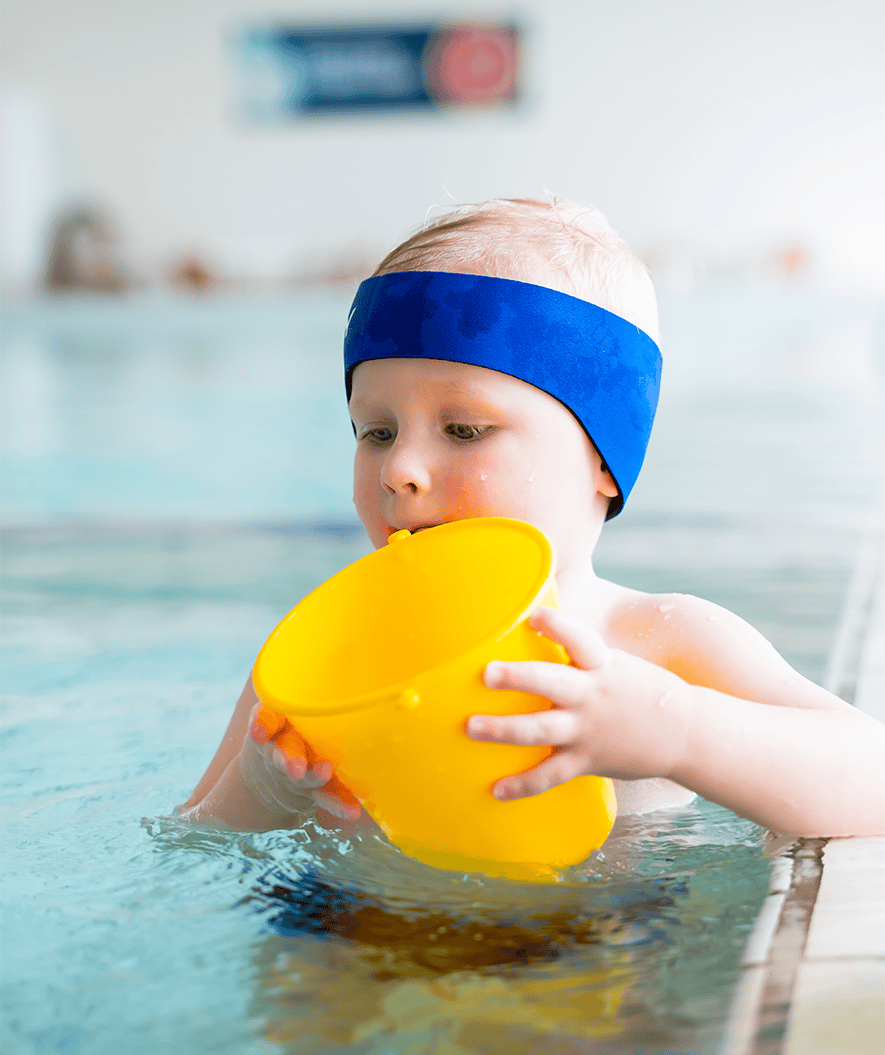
(763,741)
(264,776)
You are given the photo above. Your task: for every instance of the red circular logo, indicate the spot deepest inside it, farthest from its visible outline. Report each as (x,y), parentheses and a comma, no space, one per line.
(472,65)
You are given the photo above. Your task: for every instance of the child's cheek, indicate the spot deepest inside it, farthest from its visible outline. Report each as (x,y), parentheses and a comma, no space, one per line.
(477,491)
(365,500)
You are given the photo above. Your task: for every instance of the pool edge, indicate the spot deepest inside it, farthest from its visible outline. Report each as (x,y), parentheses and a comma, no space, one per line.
(813,974)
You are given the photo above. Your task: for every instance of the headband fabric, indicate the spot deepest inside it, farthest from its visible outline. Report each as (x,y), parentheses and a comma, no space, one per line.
(605,370)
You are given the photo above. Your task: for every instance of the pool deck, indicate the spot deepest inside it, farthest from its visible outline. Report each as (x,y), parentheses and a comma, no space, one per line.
(813,978)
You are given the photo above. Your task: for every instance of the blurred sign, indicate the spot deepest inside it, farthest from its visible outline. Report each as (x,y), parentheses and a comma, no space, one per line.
(293,72)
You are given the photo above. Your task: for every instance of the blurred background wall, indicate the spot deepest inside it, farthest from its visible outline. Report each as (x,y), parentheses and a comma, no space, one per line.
(726,135)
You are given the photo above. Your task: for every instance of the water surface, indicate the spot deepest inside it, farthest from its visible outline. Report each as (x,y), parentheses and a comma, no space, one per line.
(175,478)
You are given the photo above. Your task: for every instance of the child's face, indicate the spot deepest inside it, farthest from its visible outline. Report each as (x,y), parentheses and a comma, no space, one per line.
(440,441)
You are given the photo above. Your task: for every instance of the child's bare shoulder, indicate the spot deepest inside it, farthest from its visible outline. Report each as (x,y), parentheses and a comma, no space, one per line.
(658,626)
(708,645)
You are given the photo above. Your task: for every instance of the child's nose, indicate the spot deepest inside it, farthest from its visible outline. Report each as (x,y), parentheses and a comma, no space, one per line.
(405,469)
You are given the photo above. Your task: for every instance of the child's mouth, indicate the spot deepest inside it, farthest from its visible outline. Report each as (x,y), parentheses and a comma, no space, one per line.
(415,530)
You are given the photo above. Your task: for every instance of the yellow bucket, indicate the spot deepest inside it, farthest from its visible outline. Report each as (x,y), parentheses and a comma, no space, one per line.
(379,669)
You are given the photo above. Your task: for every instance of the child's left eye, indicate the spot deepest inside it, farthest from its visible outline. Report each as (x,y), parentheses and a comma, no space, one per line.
(464,432)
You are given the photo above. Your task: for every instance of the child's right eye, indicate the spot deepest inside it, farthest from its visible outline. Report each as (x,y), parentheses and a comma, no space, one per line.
(378,436)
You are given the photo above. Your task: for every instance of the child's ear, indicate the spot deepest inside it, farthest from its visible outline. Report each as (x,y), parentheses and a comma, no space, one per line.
(605,482)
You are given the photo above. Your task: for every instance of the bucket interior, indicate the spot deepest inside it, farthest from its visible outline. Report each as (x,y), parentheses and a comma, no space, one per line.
(405,609)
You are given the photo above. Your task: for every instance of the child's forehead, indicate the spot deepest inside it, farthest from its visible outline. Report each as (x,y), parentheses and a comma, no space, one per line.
(431,377)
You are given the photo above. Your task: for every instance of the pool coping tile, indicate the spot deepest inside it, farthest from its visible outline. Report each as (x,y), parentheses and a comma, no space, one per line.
(836,1000)
(838,1009)
(849,913)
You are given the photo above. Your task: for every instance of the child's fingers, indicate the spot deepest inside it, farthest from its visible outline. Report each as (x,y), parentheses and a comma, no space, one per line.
(562,685)
(320,773)
(290,753)
(300,760)
(555,727)
(338,800)
(291,744)
(265,723)
(297,758)
(553,771)
(583,644)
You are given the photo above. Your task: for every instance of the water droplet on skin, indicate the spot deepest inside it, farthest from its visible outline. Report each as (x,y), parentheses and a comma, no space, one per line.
(664,700)
(666,607)
(483,476)
(532,478)
(713,618)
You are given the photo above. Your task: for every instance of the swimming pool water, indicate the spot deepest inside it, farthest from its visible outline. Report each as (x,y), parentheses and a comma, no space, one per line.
(174,489)
(124,928)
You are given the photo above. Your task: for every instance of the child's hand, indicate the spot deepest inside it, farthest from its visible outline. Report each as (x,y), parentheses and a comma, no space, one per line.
(284,774)
(615,715)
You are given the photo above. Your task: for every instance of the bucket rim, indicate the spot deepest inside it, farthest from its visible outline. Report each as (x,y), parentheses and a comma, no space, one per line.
(405,691)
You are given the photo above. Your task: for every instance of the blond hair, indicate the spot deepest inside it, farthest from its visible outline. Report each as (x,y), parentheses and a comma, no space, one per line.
(557,244)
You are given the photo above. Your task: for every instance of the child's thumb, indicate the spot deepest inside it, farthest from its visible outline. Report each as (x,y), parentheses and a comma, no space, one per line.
(584,645)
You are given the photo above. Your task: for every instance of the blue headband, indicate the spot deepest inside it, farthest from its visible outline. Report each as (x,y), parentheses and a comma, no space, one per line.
(605,370)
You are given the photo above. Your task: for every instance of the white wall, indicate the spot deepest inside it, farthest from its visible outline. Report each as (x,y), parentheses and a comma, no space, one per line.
(732,125)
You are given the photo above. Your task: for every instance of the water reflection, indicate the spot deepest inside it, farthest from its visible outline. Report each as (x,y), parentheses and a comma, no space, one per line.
(372,952)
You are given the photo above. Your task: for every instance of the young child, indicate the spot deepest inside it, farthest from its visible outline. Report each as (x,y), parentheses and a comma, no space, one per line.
(502,362)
